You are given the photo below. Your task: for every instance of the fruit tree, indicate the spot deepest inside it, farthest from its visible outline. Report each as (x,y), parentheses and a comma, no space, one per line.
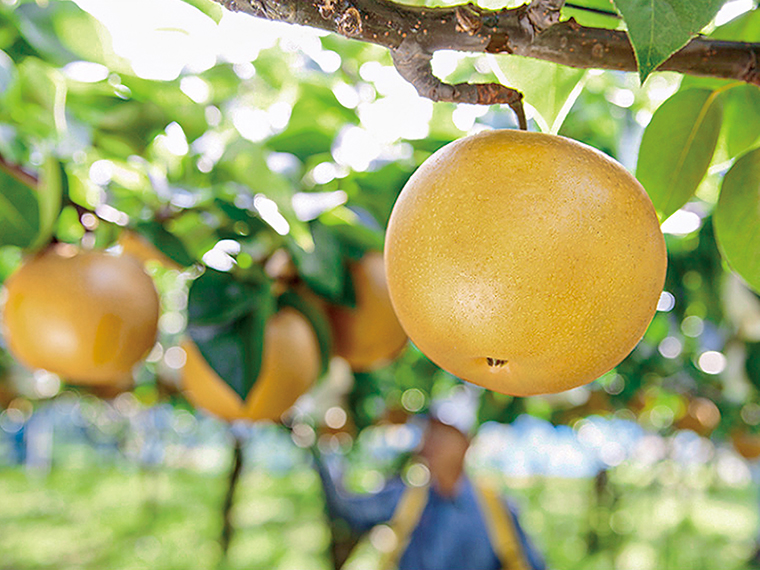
(230,168)
(224,161)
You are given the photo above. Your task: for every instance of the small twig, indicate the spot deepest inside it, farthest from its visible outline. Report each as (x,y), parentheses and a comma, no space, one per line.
(18,173)
(414,64)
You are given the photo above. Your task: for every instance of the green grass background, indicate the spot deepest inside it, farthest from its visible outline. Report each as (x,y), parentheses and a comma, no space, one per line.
(124,517)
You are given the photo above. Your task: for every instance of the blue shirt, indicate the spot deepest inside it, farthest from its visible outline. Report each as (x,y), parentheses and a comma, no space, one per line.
(451,533)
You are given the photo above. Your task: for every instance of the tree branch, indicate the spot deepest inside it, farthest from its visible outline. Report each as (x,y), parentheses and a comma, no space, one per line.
(18,173)
(543,14)
(577,46)
(232,482)
(414,64)
(531,30)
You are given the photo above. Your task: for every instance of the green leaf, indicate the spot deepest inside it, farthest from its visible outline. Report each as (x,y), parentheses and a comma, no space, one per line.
(218,298)
(52,188)
(737,218)
(303,143)
(62,32)
(677,147)
(84,35)
(19,212)
(223,348)
(346,224)
(316,318)
(227,319)
(741,118)
(166,242)
(659,28)
(551,89)
(322,268)
(599,13)
(211,9)
(40,83)
(377,191)
(7,72)
(235,350)
(37,25)
(752,364)
(68,227)
(744,28)
(253,223)
(315,121)
(253,330)
(245,163)
(172,102)
(130,125)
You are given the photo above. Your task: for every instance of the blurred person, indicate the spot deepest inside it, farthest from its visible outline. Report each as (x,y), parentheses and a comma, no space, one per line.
(450,523)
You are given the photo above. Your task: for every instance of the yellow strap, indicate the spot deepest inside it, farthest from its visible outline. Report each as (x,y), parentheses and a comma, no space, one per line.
(405,519)
(501,529)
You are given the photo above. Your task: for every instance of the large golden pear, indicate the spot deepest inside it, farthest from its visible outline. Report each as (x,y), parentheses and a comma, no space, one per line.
(89,317)
(524,262)
(290,365)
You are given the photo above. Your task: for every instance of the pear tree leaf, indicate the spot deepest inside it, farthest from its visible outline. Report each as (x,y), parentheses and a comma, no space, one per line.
(19,212)
(737,218)
(217,297)
(315,121)
(52,188)
(211,9)
(355,229)
(222,347)
(744,28)
(227,320)
(677,147)
(752,364)
(7,72)
(593,13)
(39,83)
(38,28)
(322,267)
(741,118)
(253,329)
(659,28)
(166,242)
(550,88)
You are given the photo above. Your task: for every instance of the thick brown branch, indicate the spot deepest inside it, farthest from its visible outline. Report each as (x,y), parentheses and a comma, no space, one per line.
(519,31)
(570,44)
(543,14)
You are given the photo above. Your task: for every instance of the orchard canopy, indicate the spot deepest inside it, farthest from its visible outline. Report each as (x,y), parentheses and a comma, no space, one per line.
(242,136)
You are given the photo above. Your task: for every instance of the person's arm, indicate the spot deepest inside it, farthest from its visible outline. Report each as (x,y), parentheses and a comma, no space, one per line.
(360,511)
(532,555)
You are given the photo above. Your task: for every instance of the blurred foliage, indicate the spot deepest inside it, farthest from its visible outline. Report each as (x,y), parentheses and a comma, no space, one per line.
(268,139)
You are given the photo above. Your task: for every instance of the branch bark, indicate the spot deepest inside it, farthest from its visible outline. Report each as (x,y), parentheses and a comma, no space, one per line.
(18,173)
(531,30)
(228,527)
(414,64)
